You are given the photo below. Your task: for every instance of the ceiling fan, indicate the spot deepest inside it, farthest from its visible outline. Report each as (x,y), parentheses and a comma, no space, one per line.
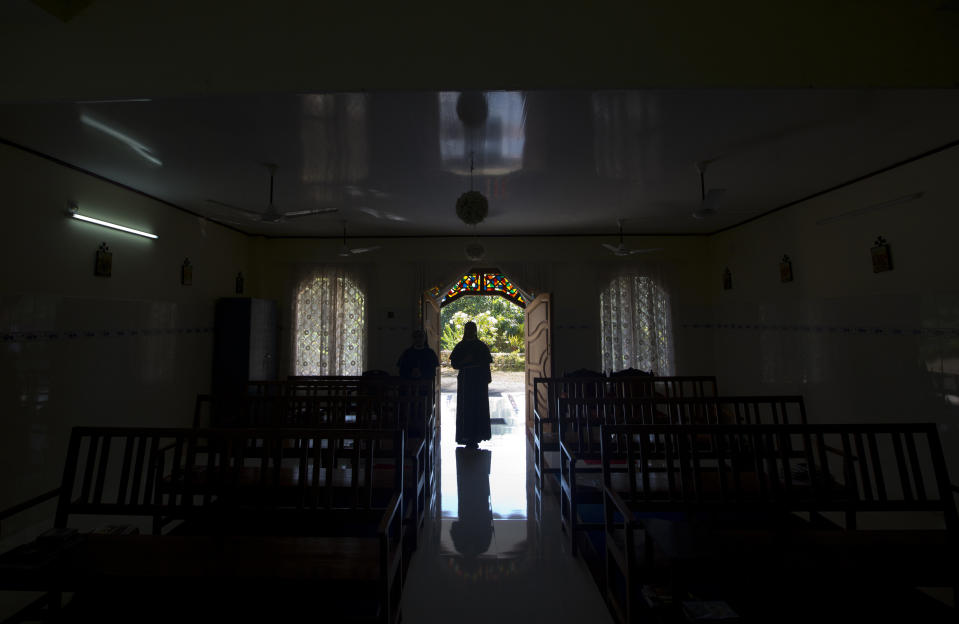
(346,250)
(271,215)
(622,249)
(709,206)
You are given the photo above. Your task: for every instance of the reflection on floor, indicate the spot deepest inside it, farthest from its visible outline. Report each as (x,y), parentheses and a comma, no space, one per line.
(484,556)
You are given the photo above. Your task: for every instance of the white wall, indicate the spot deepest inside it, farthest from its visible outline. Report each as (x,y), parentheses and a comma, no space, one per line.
(131,349)
(572,269)
(860,346)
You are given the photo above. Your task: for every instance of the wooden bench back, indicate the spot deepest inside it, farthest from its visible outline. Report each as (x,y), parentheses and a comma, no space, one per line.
(410,411)
(115,471)
(338,385)
(894,467)
(286,469)
(292,411)
(548,390)
(579,419)
(668,387)
(174,473)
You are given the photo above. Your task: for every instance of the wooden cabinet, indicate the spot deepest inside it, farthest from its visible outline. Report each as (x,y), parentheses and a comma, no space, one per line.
(244,344)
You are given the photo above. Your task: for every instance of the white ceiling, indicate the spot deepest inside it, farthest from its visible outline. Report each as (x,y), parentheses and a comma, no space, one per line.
(185,101)
(550,162)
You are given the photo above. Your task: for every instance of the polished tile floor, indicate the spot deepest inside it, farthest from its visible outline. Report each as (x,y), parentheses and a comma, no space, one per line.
(484,556)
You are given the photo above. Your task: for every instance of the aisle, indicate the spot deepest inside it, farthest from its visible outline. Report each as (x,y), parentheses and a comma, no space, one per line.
(483,557)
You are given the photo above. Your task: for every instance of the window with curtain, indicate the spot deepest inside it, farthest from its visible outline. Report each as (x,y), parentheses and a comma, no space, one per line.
(329,318)
(636,326)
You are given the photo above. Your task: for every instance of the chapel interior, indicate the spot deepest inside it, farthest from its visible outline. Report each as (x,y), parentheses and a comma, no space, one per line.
(824,266)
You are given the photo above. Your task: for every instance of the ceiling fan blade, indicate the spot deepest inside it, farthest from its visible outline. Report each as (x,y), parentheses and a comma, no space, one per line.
(612,248)
(252,213)
(359,250)
(296,214)
(381,214)
(230,221)
(639,251)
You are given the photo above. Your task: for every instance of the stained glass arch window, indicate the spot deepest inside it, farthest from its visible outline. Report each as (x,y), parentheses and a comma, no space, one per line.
(485,282)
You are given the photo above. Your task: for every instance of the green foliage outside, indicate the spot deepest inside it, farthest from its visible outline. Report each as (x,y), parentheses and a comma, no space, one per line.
(509,361)
(499,324)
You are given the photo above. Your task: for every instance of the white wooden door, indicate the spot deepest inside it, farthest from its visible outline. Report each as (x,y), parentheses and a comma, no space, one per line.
(539,353)
(431,325)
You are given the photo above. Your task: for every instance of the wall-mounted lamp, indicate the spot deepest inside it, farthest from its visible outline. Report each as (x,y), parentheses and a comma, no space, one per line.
(73,211)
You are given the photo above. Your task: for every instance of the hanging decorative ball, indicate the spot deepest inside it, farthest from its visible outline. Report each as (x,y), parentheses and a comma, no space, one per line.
(475,252)
(471,108)
(472,207)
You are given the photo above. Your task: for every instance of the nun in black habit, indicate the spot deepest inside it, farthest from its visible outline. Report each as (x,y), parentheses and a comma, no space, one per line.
(471,357)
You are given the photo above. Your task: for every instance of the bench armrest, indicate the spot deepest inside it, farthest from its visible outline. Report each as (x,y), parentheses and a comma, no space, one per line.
(839,452)
(28,504)
(540,420)
(419,450)
(620,505)
(389,515)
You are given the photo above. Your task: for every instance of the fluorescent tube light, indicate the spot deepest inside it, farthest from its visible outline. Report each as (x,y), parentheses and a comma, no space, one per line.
(122,228)
(109,101)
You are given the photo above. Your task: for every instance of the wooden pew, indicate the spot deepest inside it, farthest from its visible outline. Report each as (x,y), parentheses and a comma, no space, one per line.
(306,473)
(386,387)
(763,506)
(682,386)
(408,411)
(548,390)
(291,503)
(579,423)
(115,472)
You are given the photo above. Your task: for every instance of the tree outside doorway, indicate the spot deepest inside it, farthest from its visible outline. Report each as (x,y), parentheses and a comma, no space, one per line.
(500,326)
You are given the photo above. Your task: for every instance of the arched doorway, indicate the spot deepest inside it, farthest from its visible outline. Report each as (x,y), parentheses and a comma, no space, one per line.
(537,322)
(489,297)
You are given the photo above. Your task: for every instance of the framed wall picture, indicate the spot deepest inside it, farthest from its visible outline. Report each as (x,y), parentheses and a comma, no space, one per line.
(785,269)
(186,273)
(104,262)
(881,259)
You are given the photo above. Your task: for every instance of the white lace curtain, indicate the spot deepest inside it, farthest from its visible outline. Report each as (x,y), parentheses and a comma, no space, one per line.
(636,325)
(329,320)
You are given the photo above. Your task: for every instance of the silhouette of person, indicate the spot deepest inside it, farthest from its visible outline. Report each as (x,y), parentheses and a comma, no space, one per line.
(418,361)
(472,532)
(471,357)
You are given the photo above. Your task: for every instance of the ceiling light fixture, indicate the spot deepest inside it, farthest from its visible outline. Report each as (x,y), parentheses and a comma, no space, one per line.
(74,212)
(475,251)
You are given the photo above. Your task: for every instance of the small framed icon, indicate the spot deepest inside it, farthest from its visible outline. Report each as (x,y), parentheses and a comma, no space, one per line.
(785,269)
(881,259)
(104,262)
(186,273)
